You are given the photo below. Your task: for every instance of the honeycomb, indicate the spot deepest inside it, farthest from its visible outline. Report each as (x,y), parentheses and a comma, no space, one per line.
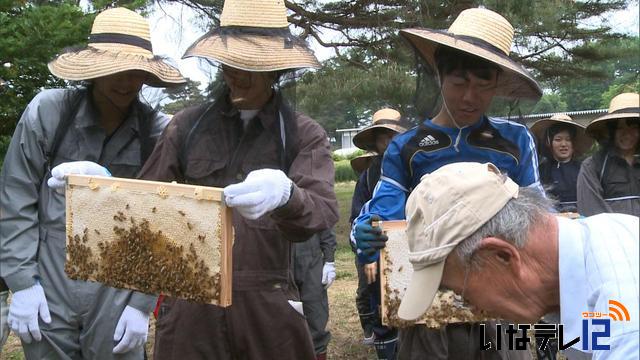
(148,237)
(396,271)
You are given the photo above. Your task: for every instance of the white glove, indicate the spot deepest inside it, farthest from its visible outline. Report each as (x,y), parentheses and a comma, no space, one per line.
(60,172)
(23,313)
(262,191)
(131,330)
(328,274)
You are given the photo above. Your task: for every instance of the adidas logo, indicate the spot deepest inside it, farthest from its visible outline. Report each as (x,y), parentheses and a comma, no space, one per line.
(428,141)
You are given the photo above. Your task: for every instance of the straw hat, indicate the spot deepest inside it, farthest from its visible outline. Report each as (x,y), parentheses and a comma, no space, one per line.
(482,33)
(382,119)
(119,41)
(623,106)
(362,162)
(254,36)
(581,143)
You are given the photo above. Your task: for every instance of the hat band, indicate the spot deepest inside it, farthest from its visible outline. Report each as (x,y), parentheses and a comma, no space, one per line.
(116,38)
(387,122)
(480,43)
(628,110)
(288,39)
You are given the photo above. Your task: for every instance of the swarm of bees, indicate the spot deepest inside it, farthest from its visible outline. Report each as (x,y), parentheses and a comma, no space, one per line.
(80,262)
(143,259)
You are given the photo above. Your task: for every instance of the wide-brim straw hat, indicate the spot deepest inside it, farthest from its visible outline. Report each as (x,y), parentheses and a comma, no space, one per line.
(382,119)
(581,143)
(362,162)
(254,36)
(623,106)
(119,41)
(485,34)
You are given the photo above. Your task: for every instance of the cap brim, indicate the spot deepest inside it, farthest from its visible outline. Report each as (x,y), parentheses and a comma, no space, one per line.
(421,291)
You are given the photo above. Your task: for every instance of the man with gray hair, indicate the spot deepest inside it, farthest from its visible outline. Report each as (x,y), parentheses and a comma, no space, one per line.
(474,231)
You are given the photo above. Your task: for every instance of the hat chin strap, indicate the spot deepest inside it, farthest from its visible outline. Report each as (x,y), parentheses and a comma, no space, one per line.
(446,108)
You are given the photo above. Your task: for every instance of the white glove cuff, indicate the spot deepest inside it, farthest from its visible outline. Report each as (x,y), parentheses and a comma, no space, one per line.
(286,186)
(31,292)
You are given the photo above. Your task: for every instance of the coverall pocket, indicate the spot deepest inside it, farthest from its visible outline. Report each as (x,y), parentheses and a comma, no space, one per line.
(291,308)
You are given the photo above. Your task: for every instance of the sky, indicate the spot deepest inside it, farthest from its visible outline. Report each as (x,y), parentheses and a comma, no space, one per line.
(174,27)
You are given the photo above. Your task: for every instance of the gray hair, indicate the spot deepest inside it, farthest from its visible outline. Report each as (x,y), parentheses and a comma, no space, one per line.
(512,223)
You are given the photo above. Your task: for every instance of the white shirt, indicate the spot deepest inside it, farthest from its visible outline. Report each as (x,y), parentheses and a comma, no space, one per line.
(598,262)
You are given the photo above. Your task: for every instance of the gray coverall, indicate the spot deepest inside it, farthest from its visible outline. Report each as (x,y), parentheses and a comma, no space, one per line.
(32,220)
(309,258)
(4,310)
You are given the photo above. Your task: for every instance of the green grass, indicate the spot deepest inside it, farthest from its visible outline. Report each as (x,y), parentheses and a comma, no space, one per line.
(344,255)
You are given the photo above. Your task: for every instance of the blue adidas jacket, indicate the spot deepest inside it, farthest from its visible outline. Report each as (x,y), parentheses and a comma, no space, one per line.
(427,147)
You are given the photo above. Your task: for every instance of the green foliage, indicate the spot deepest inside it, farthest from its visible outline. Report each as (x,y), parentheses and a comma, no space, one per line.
(344,172)
(355,154)
(4,146)
(343,95)
(182,97)
(550,103)
(619,71)
(30,36)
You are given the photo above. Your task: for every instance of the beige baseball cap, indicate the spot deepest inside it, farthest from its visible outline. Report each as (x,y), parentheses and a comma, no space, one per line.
(445,208)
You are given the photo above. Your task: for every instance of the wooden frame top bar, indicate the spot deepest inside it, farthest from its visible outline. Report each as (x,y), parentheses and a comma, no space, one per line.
(163,189)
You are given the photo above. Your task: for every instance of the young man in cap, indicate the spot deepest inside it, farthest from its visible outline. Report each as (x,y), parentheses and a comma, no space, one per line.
(79,131)
(374,138)
(505,253)
(473,66)
(276,169)
(609,181)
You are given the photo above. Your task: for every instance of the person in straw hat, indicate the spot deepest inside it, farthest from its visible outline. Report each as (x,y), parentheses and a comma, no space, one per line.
(472,66)
(374,138)
(609,181)
(276,169)
(507,254)
(101,124)
(314,272)
(561,142)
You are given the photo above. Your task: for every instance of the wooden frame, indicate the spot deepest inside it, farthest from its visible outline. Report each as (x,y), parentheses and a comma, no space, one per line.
(169,223)
(395,274)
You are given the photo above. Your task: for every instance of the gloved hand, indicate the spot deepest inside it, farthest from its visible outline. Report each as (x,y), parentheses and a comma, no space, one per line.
(60,172)
(131,330)
(23,313)
(262,191)
(369,239)
(328,274)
